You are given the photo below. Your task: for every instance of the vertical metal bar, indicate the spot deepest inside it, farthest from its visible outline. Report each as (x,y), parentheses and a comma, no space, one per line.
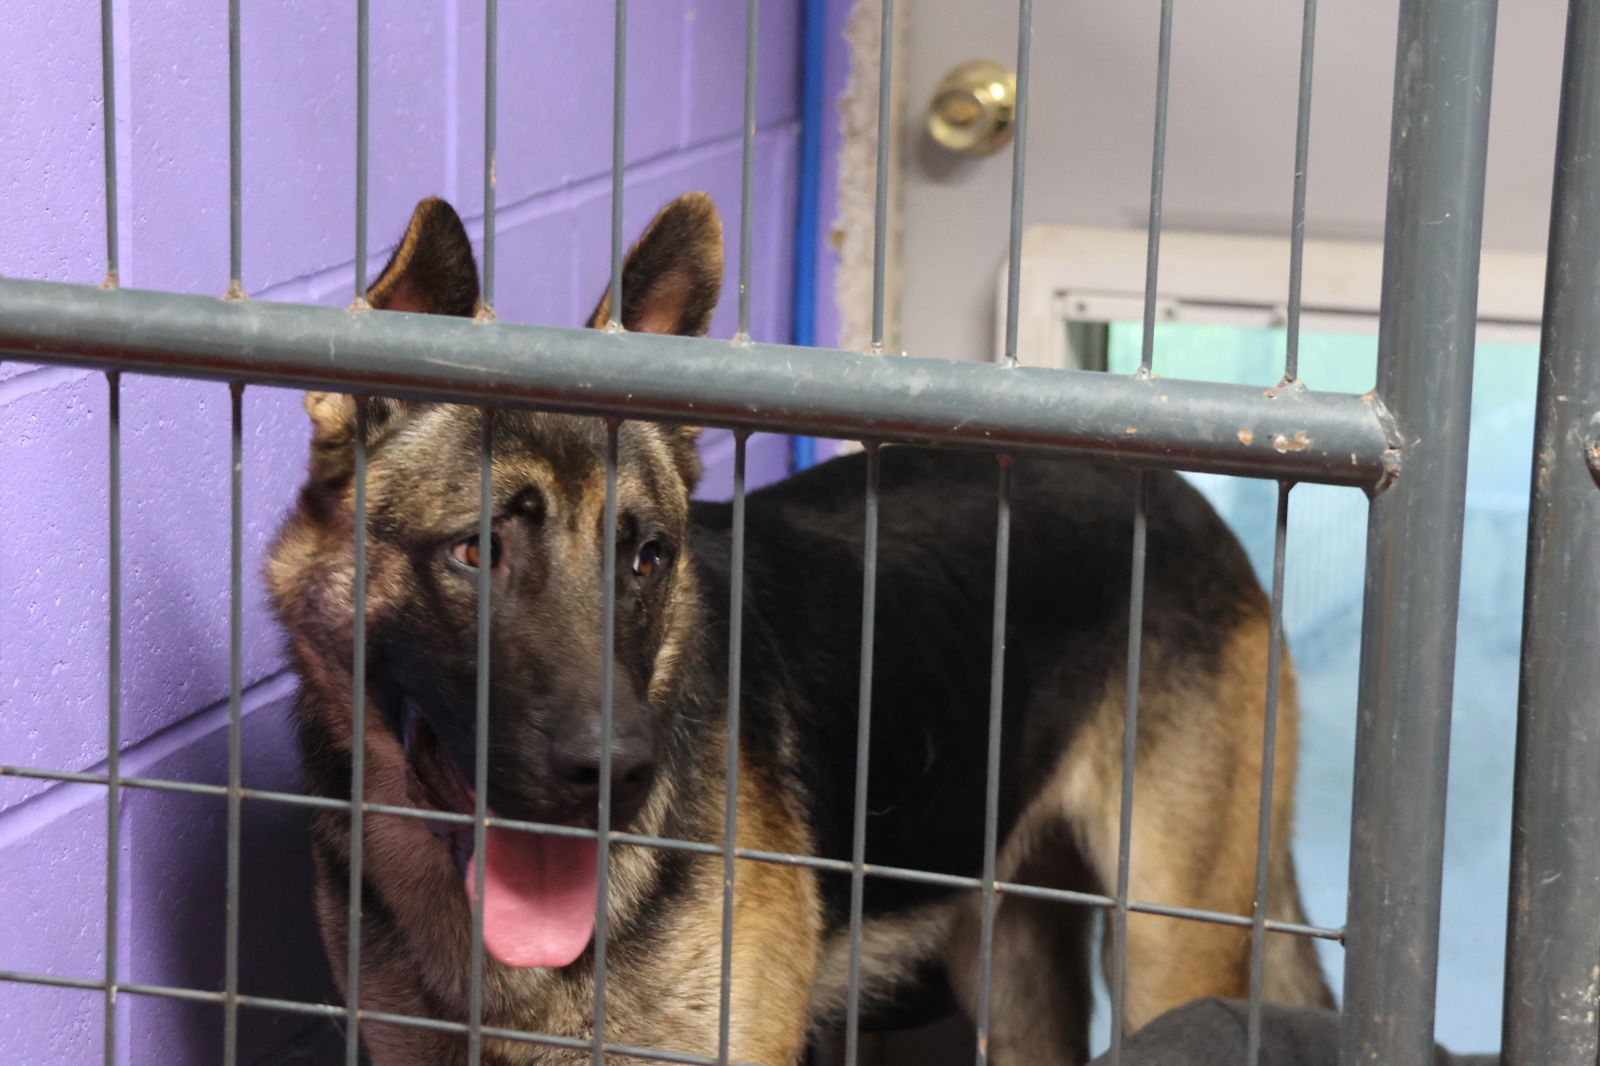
(813,58)
(858,846)
(1158,170)
(1425,347)
(357,857)
(358,663)
(1019,159)
(108,120)
(363,38)
(358,747)
(235,158)
(491,85)
(747,163)
(230,1004)
(730,813)
(1130,720)
(1269,758)
(619,68)
(608,651)
(880,211)
(113,708)
(1553,931)
(480,767)
(991,808)
(1297,216)
(1130,738)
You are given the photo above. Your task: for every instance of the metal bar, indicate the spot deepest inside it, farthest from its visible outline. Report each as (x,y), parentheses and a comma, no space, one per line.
(363,40)
(730,812)
(491,86)
(230,979)
(1130,742)
(1269,760)
(1158,170)
(113,704)
(1019,160)
(1118,979)
(991,804)
(747,162)
(858,833)
(813,52)
(880,210)
(358,747)
(1297,214)
(1553,930)
(236,158)
(1302,435)
(108,122)
(695,847)
(480,770)
(327,1010)
(619,70)
(803,303)
(607,717)
(1425,345)
(608,654)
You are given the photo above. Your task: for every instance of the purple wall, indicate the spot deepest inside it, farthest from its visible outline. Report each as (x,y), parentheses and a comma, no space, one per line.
(298,89)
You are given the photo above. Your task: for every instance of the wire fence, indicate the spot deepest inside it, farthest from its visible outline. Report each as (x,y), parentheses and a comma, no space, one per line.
(1405,446)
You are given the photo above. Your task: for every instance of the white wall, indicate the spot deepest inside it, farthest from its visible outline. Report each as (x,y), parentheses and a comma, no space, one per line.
(1230,134)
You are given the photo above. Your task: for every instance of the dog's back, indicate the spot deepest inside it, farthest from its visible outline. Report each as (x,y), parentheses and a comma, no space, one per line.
(1066,638)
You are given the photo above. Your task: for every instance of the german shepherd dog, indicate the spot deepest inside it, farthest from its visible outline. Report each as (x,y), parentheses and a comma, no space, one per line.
(1199,744)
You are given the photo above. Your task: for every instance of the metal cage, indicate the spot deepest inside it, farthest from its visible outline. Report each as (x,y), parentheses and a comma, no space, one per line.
(1404,445)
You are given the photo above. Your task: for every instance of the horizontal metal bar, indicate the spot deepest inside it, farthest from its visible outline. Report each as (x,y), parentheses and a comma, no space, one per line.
(698,847)
(328,1010)
(1332,438)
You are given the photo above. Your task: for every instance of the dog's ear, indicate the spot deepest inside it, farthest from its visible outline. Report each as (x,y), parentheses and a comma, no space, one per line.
(333,429)
(670,283)
(673,274)
(432,272)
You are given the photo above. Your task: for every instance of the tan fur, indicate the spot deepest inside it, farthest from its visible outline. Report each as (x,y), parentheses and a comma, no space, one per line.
(1196,790)
(775,929)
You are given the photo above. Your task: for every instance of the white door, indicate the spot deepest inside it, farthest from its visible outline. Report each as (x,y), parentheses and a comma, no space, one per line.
(1230,135)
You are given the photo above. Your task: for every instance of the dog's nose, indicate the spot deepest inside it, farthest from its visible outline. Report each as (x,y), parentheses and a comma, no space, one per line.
(575,762)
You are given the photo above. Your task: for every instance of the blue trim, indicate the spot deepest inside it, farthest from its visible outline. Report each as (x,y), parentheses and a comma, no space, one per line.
(813,55)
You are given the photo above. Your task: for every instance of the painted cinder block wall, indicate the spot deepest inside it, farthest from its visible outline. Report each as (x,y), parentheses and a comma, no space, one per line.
(685,70)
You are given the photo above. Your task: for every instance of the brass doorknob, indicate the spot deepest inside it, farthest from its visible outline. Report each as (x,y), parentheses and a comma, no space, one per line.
(974,108)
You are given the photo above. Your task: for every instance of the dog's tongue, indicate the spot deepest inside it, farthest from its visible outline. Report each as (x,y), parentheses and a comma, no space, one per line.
(539,897)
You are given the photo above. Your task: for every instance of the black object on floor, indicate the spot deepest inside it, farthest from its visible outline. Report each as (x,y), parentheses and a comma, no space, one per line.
(1211,1032)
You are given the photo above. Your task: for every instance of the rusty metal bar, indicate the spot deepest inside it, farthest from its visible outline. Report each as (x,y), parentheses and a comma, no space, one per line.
(1427,328)
(1301,435)
(1553,930)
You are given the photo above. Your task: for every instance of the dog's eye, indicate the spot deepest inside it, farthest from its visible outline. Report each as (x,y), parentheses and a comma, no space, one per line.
(466,552)
(649,558)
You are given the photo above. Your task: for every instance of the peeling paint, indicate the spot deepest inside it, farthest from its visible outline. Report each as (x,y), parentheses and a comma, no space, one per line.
(1297,443)
(1248,437)
(1591,448)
